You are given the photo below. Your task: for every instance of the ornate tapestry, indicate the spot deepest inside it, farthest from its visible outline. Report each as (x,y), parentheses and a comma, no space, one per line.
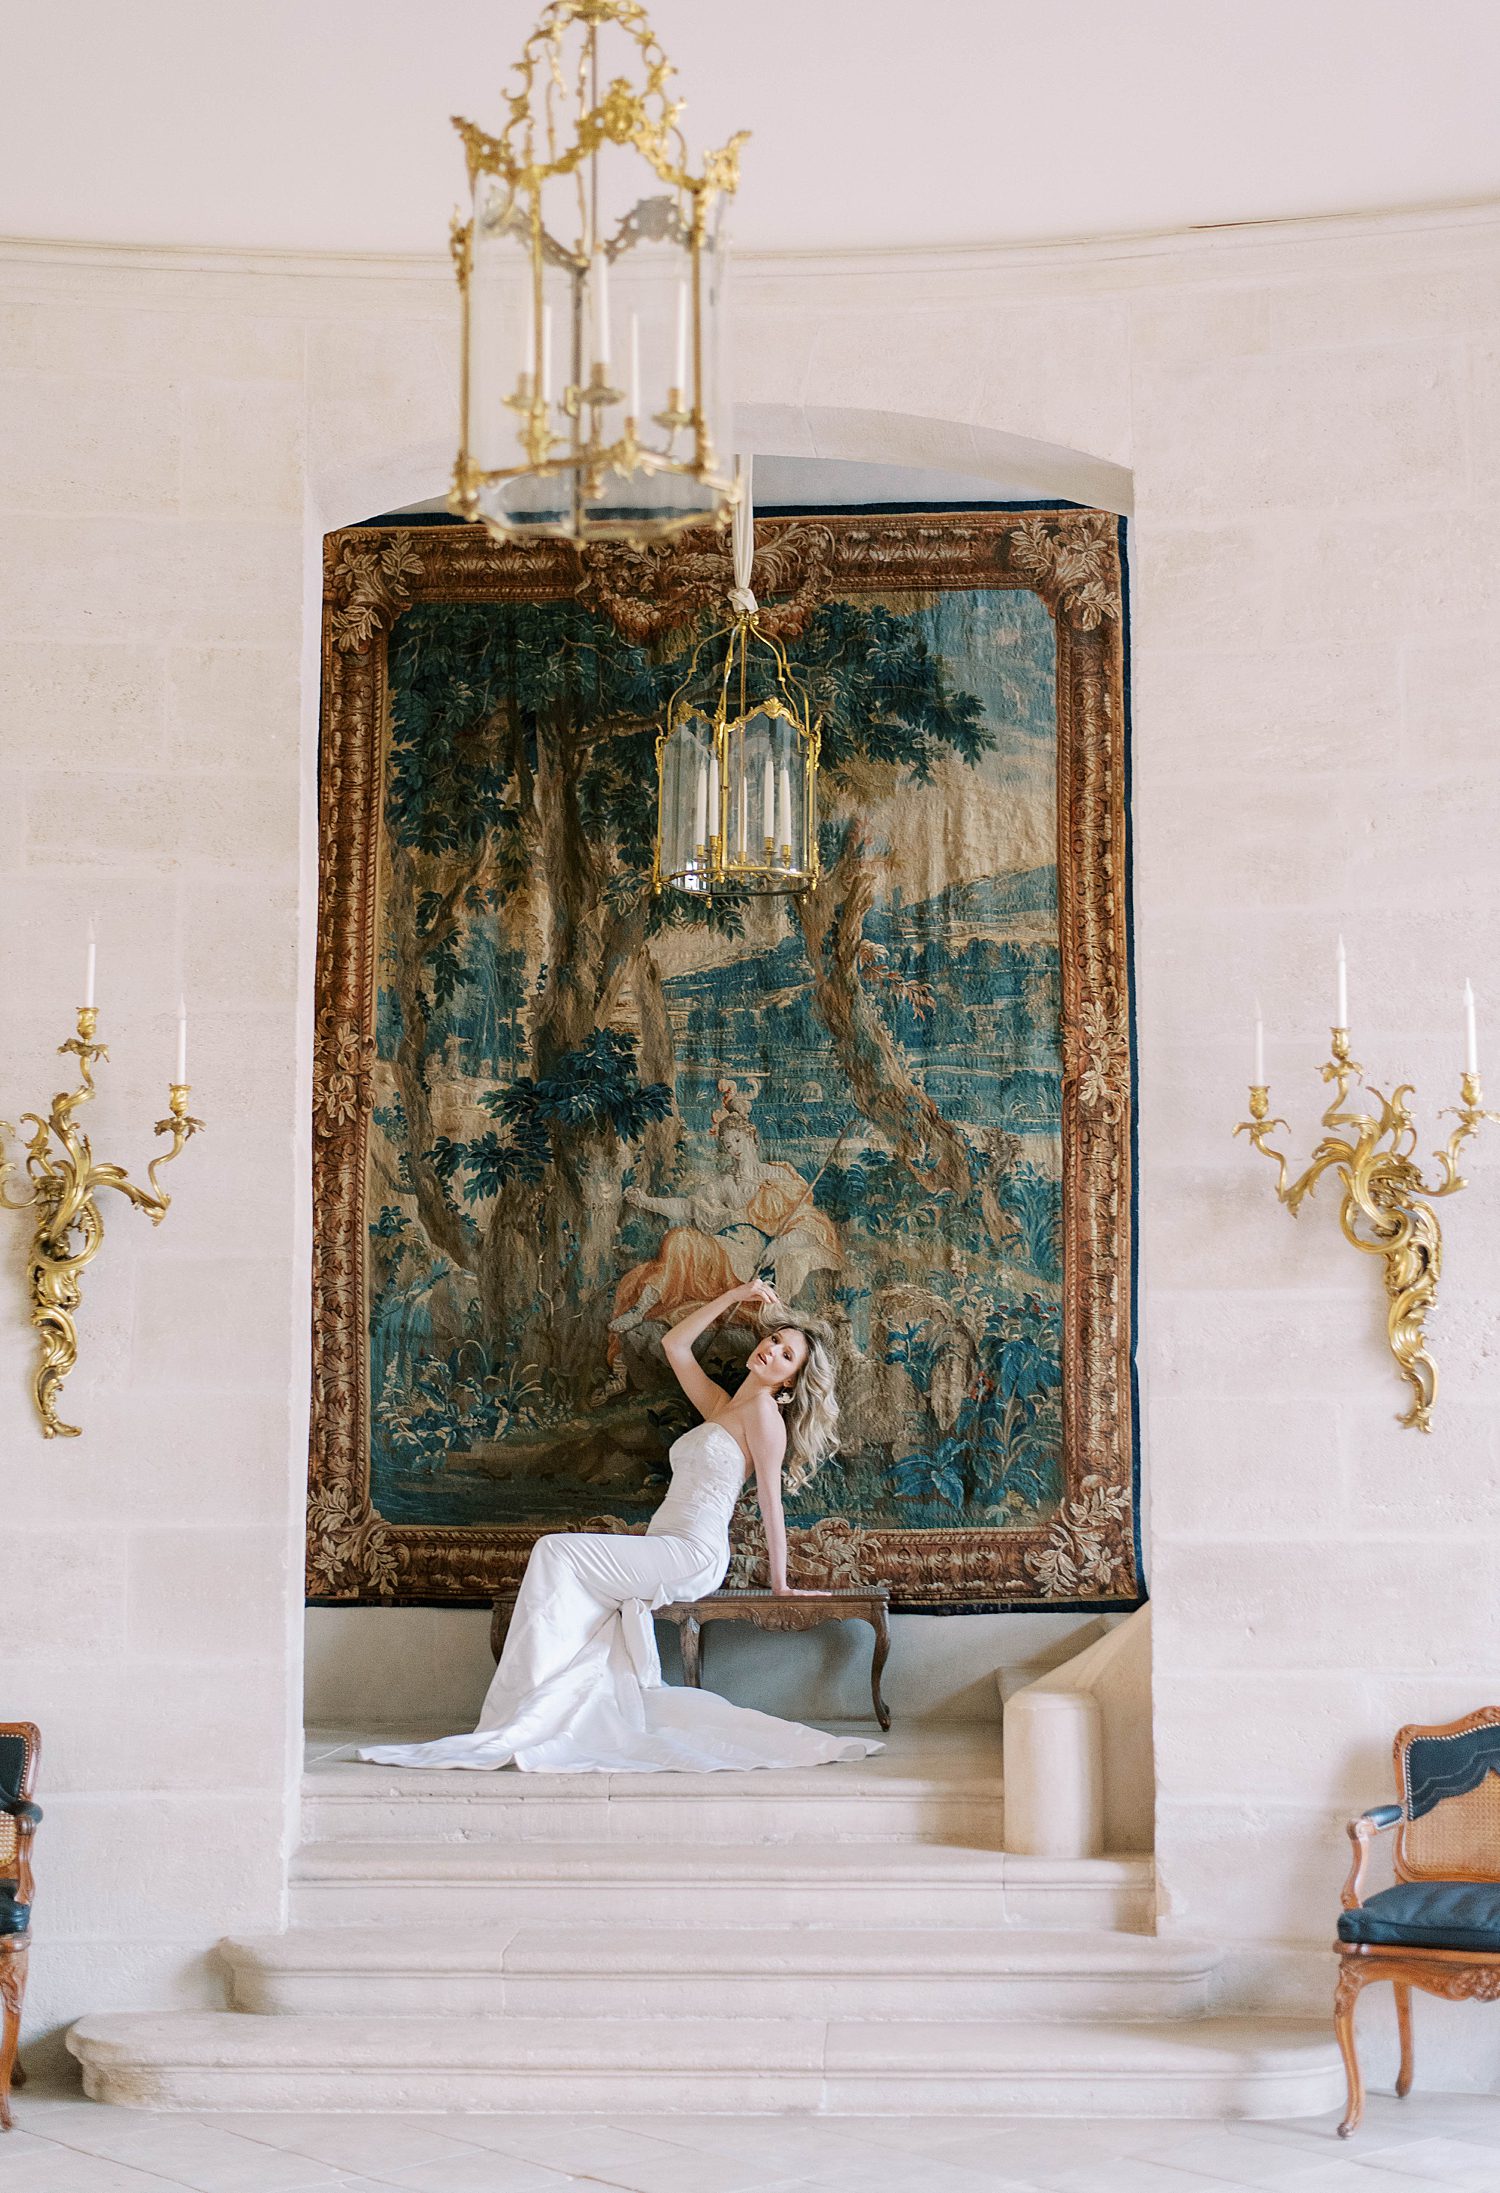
(554,1111)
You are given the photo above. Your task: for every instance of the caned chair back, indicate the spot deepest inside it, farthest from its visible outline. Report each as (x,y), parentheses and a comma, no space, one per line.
(1448,1777)
(20,1742)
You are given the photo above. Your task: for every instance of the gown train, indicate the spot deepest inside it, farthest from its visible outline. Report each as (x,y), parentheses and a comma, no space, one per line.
(579,1689)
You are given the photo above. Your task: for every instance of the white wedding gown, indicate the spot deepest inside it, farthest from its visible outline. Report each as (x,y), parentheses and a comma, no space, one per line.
(579,1686)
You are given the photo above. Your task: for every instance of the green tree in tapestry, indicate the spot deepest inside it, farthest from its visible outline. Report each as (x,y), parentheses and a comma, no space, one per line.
(535,1139)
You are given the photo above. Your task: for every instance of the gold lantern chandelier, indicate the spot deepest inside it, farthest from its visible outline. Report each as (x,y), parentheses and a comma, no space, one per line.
(737,759)
(591,270)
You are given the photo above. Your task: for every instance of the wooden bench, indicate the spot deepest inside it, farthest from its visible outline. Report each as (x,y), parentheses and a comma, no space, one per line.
(763,1611)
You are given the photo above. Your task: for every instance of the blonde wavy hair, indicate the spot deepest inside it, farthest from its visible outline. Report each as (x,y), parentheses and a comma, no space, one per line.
(810,1404)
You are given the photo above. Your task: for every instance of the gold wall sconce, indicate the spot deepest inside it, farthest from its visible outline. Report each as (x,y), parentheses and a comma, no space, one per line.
(1387,1205)
(64,1179)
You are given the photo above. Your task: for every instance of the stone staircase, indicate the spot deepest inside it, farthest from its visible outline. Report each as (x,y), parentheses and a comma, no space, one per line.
(847,1939)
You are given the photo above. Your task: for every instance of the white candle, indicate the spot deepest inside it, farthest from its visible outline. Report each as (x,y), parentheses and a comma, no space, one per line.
(786,810)
(1260,1048)
(182,1039)
(91,964)
(713,795)
(545,391)
(635,366)
(1343,966)
(680,384)
(1471,1033)
(601,309)
(744,814)
(700,815)
(528,342)
(770,791)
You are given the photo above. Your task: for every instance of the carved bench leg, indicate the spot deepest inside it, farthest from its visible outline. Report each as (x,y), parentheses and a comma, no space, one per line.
(1403,2027)
(692,1653)
(880,1623)
(1351,1980)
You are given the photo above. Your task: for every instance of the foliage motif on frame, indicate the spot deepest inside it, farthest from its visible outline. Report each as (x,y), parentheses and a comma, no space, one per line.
(550,1112)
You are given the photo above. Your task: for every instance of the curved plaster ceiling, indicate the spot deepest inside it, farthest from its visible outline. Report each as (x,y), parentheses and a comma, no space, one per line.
(322,124)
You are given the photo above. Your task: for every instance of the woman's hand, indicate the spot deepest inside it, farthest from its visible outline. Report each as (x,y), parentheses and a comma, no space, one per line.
(758,1295)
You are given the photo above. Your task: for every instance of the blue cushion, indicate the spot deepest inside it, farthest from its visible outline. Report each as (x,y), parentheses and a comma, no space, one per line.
(1428,1915)
(14,1917)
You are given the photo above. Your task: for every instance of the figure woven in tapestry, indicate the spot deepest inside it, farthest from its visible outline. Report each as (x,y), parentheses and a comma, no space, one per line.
(556,1110)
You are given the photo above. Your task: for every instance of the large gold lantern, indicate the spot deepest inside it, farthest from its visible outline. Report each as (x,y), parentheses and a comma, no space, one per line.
(591,268)
(737,759)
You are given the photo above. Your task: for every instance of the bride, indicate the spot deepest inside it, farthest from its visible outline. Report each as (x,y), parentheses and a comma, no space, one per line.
(579,1686)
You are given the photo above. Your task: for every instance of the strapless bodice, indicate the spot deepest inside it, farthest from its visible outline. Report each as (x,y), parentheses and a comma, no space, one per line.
(708,1470)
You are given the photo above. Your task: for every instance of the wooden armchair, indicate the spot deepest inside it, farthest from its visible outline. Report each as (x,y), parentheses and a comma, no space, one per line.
(20,1743)
(1439,1927)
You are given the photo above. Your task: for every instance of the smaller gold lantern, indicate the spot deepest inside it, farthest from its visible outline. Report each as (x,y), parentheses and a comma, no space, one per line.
(737,760)
(737,773)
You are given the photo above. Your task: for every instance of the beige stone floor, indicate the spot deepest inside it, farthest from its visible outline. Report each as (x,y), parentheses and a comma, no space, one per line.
(64,2145)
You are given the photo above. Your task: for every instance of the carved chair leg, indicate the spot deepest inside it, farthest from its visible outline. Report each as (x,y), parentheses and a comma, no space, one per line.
(12,1988)
(1351,1980)
(692,1663)
(1403,2027)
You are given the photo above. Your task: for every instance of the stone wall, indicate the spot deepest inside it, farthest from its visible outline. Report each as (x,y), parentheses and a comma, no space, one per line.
(428,1667)
(1310,413)
(152,545)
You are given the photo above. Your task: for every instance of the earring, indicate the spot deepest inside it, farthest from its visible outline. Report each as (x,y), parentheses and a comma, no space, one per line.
(783,1399)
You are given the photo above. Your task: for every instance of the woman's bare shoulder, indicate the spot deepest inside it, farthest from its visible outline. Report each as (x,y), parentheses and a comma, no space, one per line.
(767,1428)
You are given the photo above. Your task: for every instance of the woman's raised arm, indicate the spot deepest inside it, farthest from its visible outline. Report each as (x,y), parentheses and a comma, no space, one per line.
(706,1395)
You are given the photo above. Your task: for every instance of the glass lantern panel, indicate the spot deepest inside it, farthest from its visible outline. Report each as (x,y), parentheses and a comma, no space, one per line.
(613,352)
(767,835)
(686,814)
(502,326)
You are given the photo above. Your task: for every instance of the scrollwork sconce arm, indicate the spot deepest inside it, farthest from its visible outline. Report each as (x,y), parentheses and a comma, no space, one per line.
(181,1126)
(1469,1115)
(1330,1152)
(1260,1127)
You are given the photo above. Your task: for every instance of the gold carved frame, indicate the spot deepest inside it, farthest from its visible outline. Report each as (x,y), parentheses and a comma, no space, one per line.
(1072,560)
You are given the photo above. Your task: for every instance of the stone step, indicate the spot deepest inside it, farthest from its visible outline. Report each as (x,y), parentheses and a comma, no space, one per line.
(218,2060)
(904,1973)
(935,1786)
(930,1814)
(682,1885)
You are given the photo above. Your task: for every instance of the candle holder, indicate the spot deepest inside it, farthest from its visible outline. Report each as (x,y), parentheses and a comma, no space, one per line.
(532,413)
(69,1226)
(1387,1207)
(676,416)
